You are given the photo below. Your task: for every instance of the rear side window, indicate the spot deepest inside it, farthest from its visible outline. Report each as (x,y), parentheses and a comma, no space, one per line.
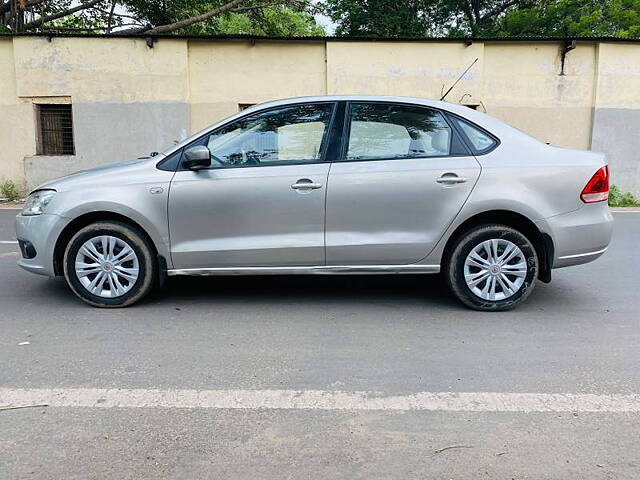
(479,140)
(383,131)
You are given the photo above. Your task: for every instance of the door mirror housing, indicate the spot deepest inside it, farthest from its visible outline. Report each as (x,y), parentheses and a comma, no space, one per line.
(197,158)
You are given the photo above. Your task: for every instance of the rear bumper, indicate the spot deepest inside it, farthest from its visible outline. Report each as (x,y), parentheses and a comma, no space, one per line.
(580,236)
(42,232)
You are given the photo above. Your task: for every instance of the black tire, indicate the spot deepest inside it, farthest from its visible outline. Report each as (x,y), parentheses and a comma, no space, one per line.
(147,266)
(455,273)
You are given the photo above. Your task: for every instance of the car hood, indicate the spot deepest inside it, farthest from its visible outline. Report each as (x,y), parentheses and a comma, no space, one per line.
(118,170)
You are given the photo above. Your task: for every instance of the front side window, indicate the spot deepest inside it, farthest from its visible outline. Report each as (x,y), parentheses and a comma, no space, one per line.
(383,131)
(294,134)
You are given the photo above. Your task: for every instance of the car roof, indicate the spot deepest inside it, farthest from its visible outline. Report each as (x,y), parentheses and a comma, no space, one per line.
(363,98)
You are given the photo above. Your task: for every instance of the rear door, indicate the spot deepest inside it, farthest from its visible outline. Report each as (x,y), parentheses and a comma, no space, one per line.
(402,177)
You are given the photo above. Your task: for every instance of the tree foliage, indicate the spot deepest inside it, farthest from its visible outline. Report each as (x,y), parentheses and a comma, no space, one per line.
(620,18)
(208,17)
(283,18)
(381,18)
(418,18)
(423,18)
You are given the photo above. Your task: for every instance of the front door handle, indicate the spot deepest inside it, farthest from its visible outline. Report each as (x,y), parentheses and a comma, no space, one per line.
(451,179)
(306,184)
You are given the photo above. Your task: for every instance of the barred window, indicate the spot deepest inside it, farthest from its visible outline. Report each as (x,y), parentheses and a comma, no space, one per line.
(55,128)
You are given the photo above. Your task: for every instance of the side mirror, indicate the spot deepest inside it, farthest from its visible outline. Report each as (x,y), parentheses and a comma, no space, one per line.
(197,158)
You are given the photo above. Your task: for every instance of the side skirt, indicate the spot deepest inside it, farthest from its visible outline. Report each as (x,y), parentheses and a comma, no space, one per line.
(315,270)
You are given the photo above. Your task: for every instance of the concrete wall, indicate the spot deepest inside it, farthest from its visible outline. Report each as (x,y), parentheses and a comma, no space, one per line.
(616,121)
(522,85)
(225,74)
(17,127)
(413,69)
(129,99)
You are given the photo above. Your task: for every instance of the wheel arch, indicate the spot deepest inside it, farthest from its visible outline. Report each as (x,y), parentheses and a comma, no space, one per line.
(542,242)
(91,217)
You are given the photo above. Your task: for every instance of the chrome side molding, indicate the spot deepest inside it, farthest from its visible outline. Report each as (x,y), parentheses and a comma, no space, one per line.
(317,270)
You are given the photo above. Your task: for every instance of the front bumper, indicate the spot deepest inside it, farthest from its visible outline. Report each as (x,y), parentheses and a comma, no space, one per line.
(580,236)
(41,231)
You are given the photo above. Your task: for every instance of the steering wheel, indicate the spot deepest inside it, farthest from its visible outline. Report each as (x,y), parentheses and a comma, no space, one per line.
(252,157)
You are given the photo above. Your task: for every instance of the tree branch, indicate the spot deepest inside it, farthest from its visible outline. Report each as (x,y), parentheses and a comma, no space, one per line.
(187,21)
(475,5)
(255,7)
(83,6)
(110,17)
(82,29)
(466,9)
(33,3)
(116,14)
(497,10)
(5,7)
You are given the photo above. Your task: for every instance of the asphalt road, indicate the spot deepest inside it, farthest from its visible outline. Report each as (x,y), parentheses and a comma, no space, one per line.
(392,335)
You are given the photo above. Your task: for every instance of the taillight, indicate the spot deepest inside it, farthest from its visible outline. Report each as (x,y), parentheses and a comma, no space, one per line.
(597,189)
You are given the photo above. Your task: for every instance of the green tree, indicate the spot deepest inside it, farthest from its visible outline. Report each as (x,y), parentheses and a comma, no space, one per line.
(381,18)
(210,17)
(422,18)
(269,20)
(620,18)
(418,18)
(276,17)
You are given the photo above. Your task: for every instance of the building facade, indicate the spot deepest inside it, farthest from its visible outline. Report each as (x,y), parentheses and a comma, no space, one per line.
(70,103)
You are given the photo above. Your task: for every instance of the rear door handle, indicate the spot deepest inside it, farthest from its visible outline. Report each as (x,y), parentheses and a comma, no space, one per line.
(450,179)
(306,184)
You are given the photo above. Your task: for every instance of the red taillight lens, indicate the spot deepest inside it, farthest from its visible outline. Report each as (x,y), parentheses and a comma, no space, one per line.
(597,189)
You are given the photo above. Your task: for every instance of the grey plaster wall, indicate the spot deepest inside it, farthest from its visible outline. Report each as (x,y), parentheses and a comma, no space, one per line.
(616,132)
(112,132)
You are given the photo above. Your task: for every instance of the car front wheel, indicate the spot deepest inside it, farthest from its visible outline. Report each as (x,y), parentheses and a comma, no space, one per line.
(109,264)
(492,267)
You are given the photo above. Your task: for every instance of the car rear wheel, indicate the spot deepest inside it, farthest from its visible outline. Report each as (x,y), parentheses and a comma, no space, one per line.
(492,268)
(109,264)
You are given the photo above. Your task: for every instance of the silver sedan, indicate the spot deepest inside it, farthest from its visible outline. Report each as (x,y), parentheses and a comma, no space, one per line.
(328,185)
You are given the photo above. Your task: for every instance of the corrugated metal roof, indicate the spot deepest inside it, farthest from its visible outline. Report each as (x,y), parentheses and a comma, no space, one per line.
(326,38)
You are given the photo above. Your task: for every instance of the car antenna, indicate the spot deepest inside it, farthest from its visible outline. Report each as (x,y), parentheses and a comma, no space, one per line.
(459,78)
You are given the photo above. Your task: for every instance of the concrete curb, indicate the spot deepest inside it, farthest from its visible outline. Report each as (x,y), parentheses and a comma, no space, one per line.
(626,209)
(11,206)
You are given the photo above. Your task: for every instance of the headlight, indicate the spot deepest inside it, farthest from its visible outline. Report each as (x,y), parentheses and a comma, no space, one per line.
(37,201)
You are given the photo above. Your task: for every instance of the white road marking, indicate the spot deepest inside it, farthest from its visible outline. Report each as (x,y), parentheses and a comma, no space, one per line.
(9,242)
(10,254)
(625,211)
(320,400)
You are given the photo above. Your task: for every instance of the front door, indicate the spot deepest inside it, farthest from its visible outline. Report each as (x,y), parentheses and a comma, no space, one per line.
(404,177)
(262,203)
